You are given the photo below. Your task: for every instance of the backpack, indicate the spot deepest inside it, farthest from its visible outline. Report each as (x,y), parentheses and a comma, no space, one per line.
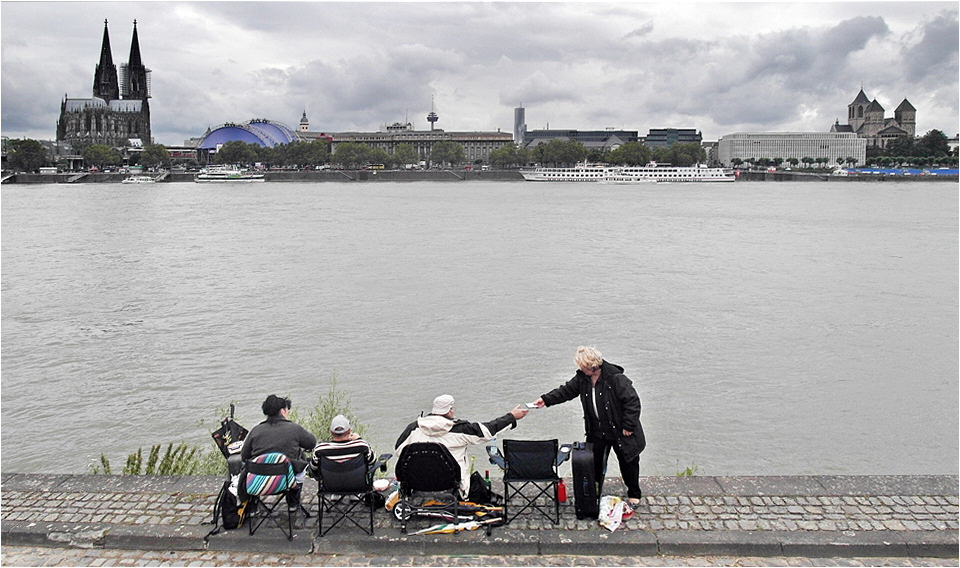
(227,512)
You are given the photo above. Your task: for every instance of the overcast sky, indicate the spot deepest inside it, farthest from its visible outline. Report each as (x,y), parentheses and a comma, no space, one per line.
(716,67)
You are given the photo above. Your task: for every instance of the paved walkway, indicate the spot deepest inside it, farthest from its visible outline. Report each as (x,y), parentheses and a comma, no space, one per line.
(909,518)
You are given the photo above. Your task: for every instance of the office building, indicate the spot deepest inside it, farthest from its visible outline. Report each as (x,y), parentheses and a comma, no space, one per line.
(836,147)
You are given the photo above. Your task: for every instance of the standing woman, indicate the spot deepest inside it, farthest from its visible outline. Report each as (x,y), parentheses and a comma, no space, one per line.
(611,416)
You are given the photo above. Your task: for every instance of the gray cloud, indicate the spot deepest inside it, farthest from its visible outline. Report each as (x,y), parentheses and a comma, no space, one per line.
(715,67)
(935,55)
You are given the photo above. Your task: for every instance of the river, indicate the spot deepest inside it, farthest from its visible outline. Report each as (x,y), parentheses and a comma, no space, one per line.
(770,328)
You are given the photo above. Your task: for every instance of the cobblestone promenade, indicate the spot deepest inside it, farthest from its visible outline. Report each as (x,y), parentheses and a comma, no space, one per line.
(59,520)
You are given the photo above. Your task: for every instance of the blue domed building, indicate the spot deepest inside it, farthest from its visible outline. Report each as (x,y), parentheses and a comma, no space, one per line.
(259,131)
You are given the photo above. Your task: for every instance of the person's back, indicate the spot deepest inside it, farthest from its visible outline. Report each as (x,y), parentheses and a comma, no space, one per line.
(441,427)
(344,445)
(278,434)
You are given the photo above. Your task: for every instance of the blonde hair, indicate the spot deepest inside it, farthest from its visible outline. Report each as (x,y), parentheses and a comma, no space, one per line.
(587,357)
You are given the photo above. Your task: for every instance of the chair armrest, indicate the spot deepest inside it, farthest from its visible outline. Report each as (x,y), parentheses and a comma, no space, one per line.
(381,463)
(563,454)
(496,458)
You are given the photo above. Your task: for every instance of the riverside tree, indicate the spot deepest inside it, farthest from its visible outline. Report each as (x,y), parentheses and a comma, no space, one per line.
(405,154)
(26,155)
(236,152)
(447,152)
(630,154)
(154,155)
(351,155)
(100,156)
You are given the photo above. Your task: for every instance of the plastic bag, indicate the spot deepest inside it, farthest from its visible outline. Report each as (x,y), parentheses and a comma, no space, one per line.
(611,512)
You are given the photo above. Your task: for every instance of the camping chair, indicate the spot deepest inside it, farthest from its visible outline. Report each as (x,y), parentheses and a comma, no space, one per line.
(428,468)
(344,486)
(530,463)
(269,475)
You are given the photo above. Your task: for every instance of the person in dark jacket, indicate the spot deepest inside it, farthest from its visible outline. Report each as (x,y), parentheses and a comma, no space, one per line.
(611,416)
(278,434)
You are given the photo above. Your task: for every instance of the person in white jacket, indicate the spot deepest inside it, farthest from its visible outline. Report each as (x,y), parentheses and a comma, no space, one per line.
(441,427)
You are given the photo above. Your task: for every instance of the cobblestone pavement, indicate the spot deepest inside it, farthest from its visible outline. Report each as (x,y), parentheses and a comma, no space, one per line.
(33,556)
(658,511)
(103,520)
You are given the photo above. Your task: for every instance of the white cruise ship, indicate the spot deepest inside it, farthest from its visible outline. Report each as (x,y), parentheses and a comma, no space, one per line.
(218,173)
(629,174)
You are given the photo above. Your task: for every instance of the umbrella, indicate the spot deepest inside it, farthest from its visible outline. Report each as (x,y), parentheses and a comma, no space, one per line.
(228,433)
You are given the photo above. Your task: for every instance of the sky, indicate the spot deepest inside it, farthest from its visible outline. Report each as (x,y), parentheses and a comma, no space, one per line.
(355,66)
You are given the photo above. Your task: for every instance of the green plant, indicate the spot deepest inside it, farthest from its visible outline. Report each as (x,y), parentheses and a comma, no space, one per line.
(688,472)
(183,459)
(335,401)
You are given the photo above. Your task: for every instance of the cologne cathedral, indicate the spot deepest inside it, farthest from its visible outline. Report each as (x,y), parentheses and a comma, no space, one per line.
(118,115)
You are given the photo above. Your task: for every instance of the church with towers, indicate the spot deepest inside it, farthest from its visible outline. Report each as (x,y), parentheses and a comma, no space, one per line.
(118,114)
(866,119)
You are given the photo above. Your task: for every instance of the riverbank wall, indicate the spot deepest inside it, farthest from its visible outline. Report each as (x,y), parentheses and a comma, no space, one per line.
(289,176)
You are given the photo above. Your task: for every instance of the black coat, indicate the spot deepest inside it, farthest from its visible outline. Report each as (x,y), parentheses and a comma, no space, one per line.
(620,401)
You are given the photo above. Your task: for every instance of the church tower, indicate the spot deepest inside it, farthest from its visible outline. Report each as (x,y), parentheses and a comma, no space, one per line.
(304,122)
(134,77)
(105,84)
(906,117)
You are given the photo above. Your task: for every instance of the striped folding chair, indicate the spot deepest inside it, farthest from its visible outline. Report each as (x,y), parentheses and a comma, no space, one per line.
(268,478)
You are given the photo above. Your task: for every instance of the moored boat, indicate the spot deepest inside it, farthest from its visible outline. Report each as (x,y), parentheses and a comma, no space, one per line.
(139,178)
(220,173)
(630,174)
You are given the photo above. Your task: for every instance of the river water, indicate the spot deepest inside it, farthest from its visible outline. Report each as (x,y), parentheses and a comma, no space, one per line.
(770,328)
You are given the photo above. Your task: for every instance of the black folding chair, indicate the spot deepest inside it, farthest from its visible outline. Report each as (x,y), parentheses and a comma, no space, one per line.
(426,467)
(344,487)
(534,464)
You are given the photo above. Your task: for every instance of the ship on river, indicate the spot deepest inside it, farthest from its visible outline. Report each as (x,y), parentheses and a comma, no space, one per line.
(626,174)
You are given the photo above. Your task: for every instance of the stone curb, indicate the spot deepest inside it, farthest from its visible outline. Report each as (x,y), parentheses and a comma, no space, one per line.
(818,544)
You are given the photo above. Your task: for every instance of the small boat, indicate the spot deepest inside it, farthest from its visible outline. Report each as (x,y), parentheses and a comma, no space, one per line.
(139,178)
(218,173)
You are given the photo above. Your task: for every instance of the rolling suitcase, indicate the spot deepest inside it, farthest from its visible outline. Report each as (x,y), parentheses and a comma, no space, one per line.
(586,501)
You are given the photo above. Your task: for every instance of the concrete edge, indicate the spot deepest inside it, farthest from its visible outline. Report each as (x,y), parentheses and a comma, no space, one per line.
(503,541)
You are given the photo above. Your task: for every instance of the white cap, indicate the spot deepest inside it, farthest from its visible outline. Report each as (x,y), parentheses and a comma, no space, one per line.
(339,424)
(442,404)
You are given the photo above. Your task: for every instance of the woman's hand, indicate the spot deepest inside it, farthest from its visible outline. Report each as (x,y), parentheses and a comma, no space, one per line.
(626,433)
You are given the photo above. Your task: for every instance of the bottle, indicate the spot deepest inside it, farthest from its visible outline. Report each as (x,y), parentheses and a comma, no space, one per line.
(561,492)
(486,478)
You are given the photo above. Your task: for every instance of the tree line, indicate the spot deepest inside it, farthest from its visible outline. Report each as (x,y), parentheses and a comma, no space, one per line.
(29,155)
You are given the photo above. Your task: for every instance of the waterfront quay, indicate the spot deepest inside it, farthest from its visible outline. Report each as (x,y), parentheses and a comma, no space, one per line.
(439,175)
(50,519)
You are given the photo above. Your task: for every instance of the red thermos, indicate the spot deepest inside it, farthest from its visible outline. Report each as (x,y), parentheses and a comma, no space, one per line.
(562,492)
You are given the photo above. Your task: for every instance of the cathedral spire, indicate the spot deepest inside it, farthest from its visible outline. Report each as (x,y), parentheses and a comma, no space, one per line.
(135,78)
(135,48)
(105,84)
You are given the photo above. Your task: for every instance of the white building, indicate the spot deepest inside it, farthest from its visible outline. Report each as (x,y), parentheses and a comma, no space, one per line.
(836,147)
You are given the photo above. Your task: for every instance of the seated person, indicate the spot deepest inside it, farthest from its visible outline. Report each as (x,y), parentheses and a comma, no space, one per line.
(441,427)
(278,434)
(346,444)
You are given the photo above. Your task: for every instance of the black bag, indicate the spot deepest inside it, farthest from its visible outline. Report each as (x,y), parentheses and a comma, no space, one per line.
(586,500)
(229,509)
(227,512)
(480,493)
